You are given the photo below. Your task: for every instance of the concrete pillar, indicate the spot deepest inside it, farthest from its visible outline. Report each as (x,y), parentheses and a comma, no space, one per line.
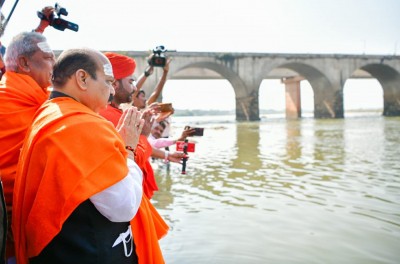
(242,109)
(328,102)
(391,103)
(392,109)
(247,108)
(293,96)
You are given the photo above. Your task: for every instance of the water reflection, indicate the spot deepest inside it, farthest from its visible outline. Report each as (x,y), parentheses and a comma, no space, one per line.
(327,191)
(293,135)
(247,147)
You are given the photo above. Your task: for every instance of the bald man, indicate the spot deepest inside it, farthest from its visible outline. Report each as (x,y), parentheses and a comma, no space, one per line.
(77,186)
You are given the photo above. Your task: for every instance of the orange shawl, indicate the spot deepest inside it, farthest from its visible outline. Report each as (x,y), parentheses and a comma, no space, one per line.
(62,164)
(143,153)
(147,225)
(147,228)
(20,97)
(111,114)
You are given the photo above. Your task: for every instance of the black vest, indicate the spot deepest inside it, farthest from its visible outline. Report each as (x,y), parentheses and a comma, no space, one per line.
(88,237)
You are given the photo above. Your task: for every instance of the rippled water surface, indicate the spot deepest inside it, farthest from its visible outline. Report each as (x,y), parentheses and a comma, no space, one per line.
(278,191)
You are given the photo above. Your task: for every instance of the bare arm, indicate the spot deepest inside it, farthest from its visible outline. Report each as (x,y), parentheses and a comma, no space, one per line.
(44,23)
(166,155)
(160,85)
(143,77)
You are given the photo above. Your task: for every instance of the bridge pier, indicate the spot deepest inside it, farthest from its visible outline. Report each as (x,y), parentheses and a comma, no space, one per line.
(391,105)
(391,93)
(293,96)
(247,108)
(328,102)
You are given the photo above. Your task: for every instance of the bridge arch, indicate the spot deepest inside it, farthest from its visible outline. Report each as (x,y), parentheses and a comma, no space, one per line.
(237,84)
(326,74)
(328,100)
(389,78)
(365,94)
(240,89)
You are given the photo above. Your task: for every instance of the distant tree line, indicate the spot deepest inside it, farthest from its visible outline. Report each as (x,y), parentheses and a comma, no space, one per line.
(197,112)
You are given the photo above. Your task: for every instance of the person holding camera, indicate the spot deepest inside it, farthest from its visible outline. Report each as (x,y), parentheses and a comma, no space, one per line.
(139,99)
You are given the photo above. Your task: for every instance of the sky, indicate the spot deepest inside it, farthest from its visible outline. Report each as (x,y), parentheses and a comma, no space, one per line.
(268,26)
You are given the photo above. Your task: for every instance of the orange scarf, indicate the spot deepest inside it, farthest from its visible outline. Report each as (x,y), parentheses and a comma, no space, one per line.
(20,97)
(142,160)
(111,114)
(147,225)
(143,152)
(147,228)
(61,165)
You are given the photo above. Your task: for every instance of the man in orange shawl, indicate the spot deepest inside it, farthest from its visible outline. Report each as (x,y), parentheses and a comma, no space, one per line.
(76,191)
(23,88)
(125,91)
(147,226)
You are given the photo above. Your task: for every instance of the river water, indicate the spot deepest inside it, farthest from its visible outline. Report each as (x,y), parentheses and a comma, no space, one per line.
(278,191)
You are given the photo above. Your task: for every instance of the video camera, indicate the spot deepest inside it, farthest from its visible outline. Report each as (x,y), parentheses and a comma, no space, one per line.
(158,59)
(57,22)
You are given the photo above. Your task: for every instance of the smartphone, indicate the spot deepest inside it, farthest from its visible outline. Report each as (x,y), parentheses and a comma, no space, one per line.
(165,107)
(198,131)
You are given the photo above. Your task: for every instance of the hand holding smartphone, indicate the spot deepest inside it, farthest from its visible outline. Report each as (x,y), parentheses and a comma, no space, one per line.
(198,131)
(165,107)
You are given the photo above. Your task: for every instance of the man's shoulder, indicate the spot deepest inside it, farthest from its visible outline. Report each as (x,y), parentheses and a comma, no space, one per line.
(111,114)
(68,114)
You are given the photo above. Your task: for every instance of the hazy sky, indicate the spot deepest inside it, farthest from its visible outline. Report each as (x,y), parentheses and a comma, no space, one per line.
(272,26)
(304,26)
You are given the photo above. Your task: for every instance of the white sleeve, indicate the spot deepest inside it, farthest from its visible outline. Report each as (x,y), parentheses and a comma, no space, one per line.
(120,202)
(163,142)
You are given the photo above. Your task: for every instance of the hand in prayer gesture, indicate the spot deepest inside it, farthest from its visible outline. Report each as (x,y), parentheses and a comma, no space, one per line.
(147,116)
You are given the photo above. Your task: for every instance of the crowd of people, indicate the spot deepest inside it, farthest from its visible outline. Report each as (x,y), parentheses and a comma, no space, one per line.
(77,135)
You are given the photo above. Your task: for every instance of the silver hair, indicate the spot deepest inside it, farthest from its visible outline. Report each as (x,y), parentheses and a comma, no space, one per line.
(23,44)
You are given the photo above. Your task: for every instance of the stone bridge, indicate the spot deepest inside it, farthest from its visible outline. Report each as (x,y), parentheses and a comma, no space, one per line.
(327,74)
